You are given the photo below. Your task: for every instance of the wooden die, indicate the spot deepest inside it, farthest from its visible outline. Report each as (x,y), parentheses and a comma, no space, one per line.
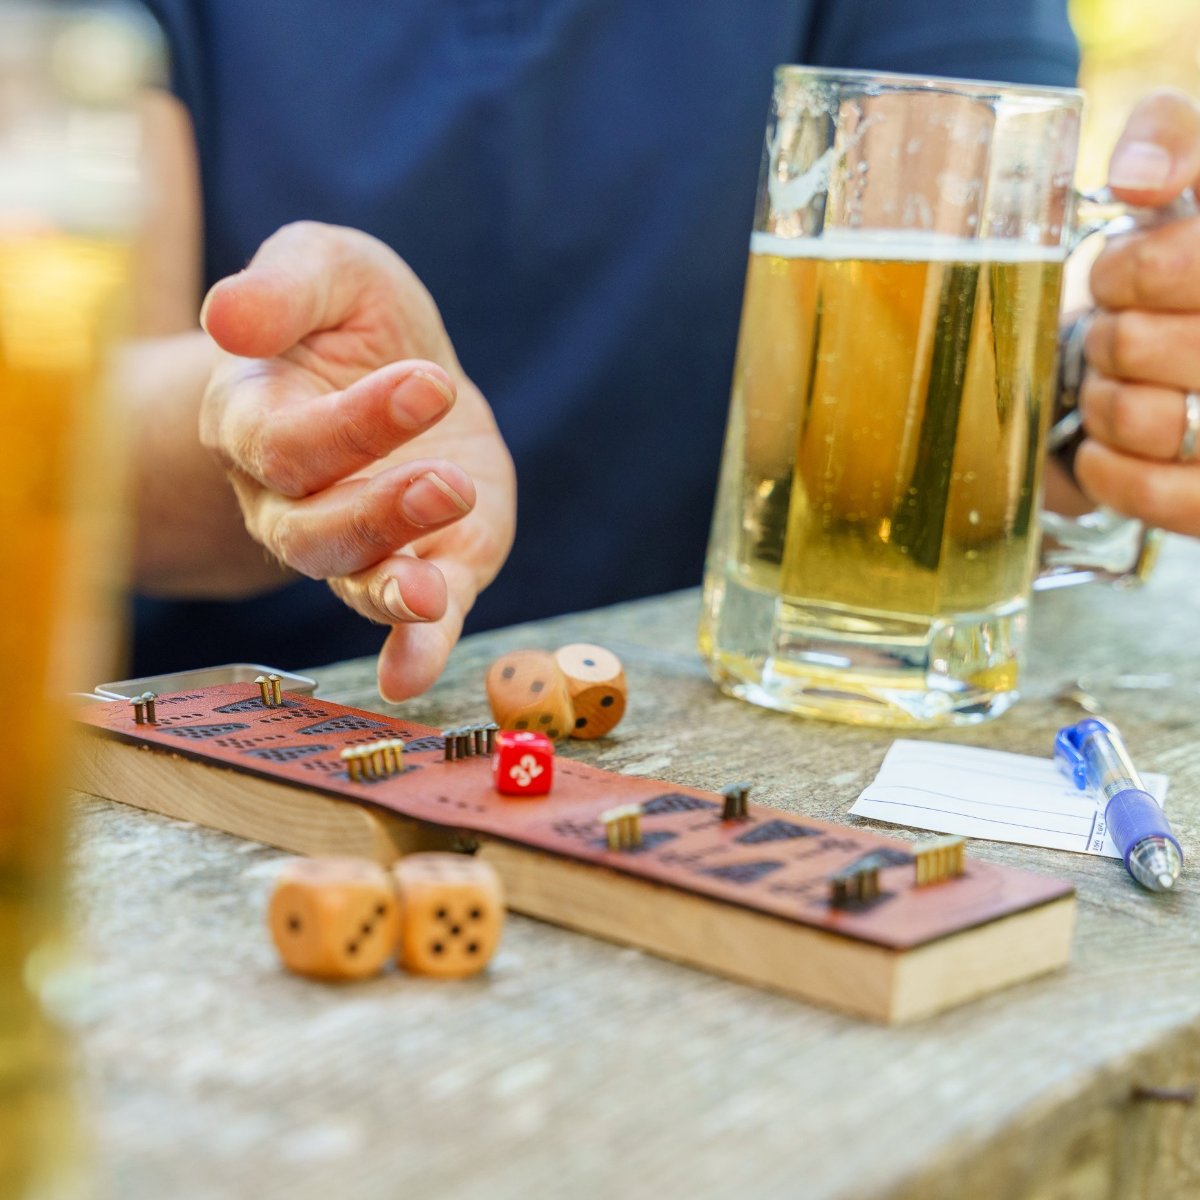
(596,685)
(452,909)
(526,690)
(334,918)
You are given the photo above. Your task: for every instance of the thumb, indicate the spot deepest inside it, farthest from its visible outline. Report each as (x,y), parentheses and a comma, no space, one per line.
(304,278)
(1158,154)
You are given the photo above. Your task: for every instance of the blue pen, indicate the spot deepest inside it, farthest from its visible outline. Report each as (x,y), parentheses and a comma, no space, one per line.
(1092,754)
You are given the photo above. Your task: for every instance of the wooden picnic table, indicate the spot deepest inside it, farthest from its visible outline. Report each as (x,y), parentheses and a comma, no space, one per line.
(579,1069)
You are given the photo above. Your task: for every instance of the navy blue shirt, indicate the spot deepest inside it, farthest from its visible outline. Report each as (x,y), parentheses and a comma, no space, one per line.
(574,181)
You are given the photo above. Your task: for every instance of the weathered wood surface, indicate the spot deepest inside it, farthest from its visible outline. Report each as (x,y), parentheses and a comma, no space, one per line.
(576,1068)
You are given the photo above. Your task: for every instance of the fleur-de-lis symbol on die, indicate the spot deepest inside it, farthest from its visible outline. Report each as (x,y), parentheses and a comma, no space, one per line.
(526,771)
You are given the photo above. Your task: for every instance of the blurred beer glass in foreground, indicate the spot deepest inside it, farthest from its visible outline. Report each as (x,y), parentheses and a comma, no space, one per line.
(69,202)
(876,529)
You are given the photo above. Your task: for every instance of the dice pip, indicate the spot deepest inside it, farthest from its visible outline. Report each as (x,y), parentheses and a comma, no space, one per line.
(453,912)
(527,691)
(523,763)
(334,917)
(596,685)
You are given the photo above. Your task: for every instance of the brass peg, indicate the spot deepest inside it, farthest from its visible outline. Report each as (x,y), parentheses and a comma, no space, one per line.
(623,826)
(734,808)
(857,883)
(937,860)
(149,698)
(273,682)
(139,709)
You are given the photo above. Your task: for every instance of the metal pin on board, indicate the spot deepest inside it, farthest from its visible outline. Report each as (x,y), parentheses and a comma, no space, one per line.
(734,808)
(151,713)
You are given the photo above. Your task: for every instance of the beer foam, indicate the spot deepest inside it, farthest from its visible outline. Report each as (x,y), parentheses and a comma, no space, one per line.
(903,245)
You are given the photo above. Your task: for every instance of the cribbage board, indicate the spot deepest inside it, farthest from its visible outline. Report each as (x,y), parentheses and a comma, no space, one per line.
(749,899)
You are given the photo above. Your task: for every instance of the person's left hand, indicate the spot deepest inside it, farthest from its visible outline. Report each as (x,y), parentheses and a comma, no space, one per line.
(1143,347)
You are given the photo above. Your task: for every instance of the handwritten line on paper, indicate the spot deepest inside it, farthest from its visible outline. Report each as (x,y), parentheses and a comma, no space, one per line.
(989,794)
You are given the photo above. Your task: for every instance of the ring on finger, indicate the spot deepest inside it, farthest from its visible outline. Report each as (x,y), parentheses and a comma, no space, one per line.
(1191,427)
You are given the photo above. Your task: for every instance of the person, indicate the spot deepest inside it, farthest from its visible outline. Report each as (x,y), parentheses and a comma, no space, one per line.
(558,194)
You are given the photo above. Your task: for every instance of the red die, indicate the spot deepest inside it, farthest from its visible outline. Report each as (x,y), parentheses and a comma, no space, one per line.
(523,764)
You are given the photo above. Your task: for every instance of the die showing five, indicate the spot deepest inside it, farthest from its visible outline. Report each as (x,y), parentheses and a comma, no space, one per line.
(338,918)
(453,911)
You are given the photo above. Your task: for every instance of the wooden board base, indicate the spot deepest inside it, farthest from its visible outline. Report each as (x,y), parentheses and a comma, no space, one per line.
(749,900)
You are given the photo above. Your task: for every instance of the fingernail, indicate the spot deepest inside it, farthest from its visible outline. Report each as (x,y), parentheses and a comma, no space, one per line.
(1141,166)
(430,500)
(204,311)
(393,601)
(416,407)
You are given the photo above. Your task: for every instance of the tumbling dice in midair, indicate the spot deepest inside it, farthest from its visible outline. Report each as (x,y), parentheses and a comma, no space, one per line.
(334,918)
(527,691)
(453,912)
(523,764)
(596,685)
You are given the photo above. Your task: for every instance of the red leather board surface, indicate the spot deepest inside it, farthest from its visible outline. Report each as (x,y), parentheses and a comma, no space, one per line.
(776,862)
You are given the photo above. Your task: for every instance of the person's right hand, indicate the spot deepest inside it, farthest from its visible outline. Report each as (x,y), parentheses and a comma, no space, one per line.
(359,450)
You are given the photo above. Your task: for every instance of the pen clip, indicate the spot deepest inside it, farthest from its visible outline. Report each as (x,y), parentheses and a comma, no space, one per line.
(1068,747)
(1067,756)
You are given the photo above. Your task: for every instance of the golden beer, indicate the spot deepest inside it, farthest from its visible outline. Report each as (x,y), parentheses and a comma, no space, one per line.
(876,523)
(61,298)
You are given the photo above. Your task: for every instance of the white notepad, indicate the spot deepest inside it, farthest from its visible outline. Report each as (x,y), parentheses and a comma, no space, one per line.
(989,794)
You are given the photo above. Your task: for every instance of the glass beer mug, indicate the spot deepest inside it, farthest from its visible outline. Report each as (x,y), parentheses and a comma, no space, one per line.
(876,533)
(69,199)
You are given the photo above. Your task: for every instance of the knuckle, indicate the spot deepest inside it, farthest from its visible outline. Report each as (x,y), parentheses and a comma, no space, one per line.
(1147,495)
(365,533)
(1125,417)
(275,466)
(1130,342)
(1152,268)
(358,439)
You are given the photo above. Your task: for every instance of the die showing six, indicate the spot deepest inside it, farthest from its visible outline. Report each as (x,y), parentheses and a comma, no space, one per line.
(334,918)
(523,763)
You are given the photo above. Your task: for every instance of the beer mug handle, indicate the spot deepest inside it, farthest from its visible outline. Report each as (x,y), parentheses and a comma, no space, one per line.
(1101,545)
